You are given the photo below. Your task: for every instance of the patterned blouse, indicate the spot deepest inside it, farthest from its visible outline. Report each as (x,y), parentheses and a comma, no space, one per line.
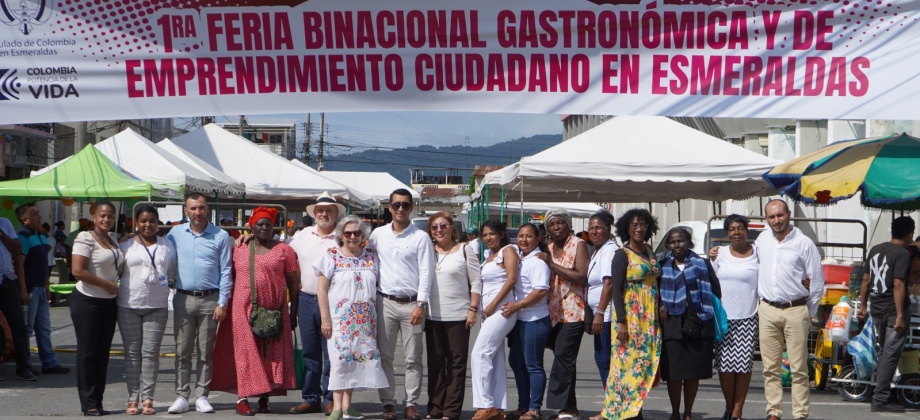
(566,301)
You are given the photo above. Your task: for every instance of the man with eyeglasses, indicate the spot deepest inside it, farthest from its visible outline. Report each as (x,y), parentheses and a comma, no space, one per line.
(406,273)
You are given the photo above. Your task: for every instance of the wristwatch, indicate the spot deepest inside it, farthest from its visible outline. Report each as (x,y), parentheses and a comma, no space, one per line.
(423,305)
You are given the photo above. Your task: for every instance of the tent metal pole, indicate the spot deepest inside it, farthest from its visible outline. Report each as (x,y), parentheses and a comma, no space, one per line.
(679,218)
(487,205)
(522,203)
(501,208)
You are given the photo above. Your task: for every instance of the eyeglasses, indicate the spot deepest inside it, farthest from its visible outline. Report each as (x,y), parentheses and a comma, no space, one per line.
(351,233)
(440,226)
(677,242)
(638,226)
(404,204)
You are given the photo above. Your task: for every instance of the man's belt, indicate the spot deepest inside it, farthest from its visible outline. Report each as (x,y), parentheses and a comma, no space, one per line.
(786,305)
(400,299)
(198,293)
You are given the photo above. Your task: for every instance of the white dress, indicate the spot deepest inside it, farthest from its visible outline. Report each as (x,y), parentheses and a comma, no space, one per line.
(353,356)
(487,359)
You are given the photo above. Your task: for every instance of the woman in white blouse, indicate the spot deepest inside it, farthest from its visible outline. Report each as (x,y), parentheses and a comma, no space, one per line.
(600,287)
(452,306)
(736,266)
(527,341)
(97,263)
(143,294)
(499,274)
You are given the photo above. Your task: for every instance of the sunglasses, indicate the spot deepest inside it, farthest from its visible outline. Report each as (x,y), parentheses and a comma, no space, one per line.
(440,226)
(351,233)
(404,204)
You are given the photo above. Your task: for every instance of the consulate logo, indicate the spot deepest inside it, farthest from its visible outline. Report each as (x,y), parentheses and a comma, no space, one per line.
(25,13)
(9,85)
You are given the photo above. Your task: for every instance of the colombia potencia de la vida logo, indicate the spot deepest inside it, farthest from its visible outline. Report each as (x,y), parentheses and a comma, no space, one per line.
(9,85)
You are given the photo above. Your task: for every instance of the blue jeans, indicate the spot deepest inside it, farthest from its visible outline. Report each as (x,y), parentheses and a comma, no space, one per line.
(40,322)
(602,352)
(526,344)
(315,356)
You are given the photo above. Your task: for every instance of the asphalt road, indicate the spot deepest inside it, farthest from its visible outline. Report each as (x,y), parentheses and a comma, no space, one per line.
(56,395)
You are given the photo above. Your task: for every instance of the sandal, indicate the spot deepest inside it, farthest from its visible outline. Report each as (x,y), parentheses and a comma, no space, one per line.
(132,408)
(148,408)
(533,415)
(513,415)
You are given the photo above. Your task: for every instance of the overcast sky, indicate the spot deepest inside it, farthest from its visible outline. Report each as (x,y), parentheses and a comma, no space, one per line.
(401,129)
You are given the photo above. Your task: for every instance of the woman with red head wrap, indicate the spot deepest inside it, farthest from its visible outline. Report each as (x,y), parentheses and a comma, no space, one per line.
(251,365)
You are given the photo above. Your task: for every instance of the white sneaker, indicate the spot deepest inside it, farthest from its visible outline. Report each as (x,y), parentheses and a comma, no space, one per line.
(178,407)
(203,406)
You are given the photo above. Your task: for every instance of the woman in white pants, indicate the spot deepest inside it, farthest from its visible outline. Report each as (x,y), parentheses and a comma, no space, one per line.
(499,276)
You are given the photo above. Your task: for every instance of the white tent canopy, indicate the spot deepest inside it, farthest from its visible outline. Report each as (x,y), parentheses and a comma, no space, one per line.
(635,159)
(267,176)
(574,209)
(167,146)
(374,186)
(145,160)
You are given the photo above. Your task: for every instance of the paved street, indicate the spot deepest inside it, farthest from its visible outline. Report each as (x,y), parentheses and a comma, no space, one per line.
(55,395)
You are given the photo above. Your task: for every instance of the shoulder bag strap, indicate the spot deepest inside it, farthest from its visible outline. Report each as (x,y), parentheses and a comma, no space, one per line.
(252,274)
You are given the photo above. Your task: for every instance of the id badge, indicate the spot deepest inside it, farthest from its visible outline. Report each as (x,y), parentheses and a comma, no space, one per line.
(163,281)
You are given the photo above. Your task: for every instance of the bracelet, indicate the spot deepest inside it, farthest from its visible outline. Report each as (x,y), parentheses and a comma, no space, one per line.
(472,309)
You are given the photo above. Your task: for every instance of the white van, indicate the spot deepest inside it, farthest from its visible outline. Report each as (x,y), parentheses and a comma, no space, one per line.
(704,239)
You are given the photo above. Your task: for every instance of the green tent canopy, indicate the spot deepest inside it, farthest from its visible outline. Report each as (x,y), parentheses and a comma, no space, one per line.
(87,175)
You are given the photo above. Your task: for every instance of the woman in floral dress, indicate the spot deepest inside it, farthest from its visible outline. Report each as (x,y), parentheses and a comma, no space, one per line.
(635,349)
(348,307)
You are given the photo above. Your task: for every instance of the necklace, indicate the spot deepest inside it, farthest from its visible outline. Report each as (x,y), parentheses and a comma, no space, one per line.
(441,258)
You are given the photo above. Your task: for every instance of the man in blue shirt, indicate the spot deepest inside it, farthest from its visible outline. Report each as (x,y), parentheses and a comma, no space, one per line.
(35,248)
(203,291)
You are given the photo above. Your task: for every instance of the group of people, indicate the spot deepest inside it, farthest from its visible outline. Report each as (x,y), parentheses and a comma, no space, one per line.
(355,294)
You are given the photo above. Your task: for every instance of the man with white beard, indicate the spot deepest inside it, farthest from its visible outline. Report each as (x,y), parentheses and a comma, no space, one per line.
(310,244)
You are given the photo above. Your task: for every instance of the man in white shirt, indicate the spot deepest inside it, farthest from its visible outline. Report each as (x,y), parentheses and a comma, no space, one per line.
(788,260)
(310,244)
(406,273)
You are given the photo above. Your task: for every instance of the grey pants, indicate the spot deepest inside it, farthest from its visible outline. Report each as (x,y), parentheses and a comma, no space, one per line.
(142,333)
(890,346)
(193,317)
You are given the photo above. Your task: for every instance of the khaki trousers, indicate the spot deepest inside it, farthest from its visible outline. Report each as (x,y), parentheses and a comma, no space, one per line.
(392,322)
(789,327)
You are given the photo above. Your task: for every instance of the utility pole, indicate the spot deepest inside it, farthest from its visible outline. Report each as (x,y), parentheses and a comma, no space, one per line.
(322,132)
(240,129)
(306,145)
(76,209)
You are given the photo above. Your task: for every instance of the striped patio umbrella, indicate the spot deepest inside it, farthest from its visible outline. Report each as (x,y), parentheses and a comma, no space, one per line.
(886,170)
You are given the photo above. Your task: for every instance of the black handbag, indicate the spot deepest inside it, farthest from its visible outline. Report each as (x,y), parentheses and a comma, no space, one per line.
(692,324)
(589,319)
(265,323)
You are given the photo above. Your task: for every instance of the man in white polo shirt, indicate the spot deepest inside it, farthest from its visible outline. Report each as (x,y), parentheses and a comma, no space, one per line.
(406,272)
(787,260)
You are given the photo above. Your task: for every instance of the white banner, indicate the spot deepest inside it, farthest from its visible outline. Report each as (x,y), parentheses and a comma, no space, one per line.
(72,60)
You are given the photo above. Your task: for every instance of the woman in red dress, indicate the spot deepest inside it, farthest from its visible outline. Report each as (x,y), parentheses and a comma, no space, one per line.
(249,365)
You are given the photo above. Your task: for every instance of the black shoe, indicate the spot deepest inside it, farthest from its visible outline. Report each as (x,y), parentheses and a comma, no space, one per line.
(104,412)
(57,370)
(887,407)
(26,375)
(92,413)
